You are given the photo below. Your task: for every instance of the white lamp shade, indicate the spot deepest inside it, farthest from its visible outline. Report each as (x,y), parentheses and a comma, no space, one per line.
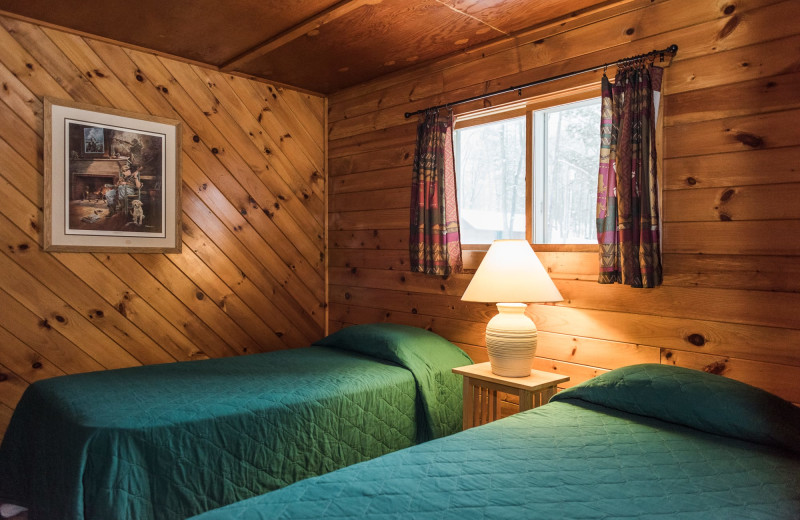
(511,272)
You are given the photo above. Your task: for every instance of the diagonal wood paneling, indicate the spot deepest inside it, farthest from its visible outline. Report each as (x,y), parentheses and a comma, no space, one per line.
(730,183)
(251,277)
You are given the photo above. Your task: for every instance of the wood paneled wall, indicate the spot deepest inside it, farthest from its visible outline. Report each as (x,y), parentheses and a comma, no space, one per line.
(251,276)
(730,303)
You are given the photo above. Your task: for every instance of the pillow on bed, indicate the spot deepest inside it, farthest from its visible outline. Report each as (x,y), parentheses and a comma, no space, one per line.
(428,356)
(703,401)
(395,341)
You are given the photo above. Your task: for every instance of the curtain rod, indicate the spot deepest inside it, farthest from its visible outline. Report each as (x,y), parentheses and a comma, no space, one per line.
(672,49)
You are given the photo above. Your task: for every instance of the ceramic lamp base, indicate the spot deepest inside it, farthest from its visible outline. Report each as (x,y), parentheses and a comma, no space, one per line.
(511,341)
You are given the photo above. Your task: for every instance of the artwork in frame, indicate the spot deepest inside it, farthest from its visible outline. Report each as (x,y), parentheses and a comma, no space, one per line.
(111,180)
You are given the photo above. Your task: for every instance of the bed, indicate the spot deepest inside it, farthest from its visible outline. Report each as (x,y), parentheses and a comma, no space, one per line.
(645,441)
(169,441)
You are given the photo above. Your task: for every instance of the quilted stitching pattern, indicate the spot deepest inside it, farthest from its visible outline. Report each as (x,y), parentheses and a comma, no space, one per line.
(173,440)
(558,461)
(420,351)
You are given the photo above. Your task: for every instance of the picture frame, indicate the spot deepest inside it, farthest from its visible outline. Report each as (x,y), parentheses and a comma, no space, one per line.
(111,180)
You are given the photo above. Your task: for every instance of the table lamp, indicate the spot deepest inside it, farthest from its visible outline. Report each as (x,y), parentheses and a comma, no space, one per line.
(511,276)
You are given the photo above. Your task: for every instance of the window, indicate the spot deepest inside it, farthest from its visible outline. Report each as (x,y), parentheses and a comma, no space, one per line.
(529,173)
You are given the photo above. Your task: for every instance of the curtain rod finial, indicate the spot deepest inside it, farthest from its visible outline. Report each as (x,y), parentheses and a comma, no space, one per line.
(673,48)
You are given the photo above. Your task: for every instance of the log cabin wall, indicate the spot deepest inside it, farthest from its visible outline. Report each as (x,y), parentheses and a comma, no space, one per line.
(251,276)
(730,154)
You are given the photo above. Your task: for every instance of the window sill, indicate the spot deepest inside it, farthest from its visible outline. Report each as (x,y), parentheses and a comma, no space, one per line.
(472,254)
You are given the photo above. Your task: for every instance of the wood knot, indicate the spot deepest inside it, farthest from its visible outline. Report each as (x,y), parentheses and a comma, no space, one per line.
(691,181)
(629,31)
(347,296)
(3,377)
(200,295)
(728,28)
(196,138)
(36,366)
(215,151)
(696,339)
(727,194)
(717,367)
(748,139)
(729,9)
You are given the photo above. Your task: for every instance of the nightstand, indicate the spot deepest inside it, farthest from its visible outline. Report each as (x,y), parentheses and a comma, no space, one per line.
(481,387)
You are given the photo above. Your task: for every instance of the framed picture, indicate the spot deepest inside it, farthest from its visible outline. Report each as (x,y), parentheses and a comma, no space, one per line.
(111,180)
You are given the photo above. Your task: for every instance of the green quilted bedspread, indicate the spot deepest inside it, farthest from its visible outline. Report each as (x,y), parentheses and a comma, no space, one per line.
(169,441)
(646,441)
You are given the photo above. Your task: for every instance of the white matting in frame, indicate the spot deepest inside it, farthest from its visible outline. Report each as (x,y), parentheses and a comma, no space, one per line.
(111,180)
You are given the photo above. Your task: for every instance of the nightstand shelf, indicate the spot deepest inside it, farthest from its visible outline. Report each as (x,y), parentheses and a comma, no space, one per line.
(481,387)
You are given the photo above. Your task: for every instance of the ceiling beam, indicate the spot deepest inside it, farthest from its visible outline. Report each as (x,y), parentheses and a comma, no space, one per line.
(328,15)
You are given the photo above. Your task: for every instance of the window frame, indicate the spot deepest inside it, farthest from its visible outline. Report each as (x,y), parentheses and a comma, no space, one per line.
(474,253)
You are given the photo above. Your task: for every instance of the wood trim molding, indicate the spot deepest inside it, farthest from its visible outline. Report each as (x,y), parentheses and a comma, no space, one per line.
(328,15)
(161,54)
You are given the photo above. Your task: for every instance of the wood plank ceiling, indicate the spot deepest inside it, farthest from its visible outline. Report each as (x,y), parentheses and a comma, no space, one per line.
(321,46)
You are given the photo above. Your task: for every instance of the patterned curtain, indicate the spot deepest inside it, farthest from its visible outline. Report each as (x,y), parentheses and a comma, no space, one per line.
(434,241)
(627,187)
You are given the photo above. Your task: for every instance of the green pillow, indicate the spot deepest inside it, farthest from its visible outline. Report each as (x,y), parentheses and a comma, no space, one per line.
(700,400)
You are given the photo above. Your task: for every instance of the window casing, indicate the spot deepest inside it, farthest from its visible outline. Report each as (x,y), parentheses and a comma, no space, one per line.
(558,163)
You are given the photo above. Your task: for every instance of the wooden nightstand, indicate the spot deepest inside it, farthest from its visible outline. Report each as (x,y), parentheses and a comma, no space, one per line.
(481,387)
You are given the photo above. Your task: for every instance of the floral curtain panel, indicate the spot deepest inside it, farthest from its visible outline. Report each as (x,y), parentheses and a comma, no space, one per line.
(434,242)
(628,229)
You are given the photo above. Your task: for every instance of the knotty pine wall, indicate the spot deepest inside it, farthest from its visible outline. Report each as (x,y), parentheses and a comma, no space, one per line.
(730,303)
(251,276)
